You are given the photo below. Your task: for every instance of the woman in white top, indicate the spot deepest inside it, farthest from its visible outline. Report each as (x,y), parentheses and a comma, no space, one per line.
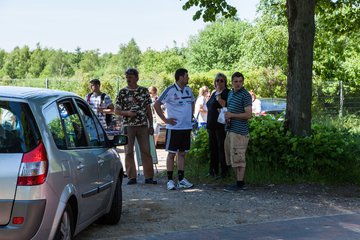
(256,104)
(201,110)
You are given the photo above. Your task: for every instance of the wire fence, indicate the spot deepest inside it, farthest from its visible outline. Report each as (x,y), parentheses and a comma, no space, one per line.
(60,84)
(336,99)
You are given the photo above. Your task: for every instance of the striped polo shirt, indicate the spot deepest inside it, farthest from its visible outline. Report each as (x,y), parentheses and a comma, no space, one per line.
(237,101)
(178,104)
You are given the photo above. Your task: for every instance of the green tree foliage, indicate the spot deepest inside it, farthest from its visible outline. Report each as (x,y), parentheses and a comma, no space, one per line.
(77,57)
(218,46)
(129,55)
(274,10)
(111,66)
(337,51)
(58,64)
(3,55)
(166,61)
(2,58)
(17,62)
(259,50)
(301,27)
(265,45)
(37,62)
(339,16)
(89,63)
(267,82)
(209,10)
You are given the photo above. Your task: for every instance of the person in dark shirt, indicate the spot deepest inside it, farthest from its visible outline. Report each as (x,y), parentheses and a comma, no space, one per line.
(216,130)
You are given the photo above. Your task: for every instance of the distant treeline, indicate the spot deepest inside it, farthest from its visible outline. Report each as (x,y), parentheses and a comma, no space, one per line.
(258,49)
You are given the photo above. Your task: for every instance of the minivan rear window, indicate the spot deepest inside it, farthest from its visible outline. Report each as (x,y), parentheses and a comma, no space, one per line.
(18,130)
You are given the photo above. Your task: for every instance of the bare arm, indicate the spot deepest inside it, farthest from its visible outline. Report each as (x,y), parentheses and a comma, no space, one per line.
(118,111)
(201,109)
(108,110)
(246,115)
(160,113)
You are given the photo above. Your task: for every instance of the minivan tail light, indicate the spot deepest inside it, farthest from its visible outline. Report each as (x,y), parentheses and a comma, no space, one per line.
(34,167)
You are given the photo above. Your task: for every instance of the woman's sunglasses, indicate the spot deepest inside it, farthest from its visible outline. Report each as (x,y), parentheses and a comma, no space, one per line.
(220,80)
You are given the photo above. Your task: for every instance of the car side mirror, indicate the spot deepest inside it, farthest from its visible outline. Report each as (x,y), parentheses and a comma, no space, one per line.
(120,140)
(116,138)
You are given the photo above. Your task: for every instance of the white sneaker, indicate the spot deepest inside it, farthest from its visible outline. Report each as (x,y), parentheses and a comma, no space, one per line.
(185,184)
(171,185)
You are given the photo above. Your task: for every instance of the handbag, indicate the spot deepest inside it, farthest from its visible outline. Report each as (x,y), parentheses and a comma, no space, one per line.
(221,117)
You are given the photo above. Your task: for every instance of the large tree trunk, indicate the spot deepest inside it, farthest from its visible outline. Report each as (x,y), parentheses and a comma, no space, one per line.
(301,25)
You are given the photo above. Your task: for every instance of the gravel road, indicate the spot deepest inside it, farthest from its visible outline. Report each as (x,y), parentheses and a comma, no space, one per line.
(153,209)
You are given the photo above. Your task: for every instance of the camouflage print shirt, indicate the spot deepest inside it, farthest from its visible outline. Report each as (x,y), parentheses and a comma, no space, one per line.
(135,100)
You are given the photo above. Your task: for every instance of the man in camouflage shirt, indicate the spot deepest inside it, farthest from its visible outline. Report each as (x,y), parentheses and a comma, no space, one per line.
(134,104)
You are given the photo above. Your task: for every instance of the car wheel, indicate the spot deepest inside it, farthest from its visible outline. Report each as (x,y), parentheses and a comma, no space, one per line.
(113,216)
(65,229)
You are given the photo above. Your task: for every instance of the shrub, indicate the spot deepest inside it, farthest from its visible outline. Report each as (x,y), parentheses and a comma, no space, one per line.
(197,162)
(330,155)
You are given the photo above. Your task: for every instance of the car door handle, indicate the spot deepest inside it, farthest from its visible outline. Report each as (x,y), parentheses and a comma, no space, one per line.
(80,166)
(101,162)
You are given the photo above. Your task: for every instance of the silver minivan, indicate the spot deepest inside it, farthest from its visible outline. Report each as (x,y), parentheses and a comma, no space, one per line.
(59,172)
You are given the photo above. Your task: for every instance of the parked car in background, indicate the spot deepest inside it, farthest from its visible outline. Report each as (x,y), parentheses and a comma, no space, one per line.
(162,135)
(273,106)
(58,170)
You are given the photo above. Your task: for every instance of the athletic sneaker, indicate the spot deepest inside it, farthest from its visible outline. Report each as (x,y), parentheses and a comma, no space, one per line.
(171,185)
(185,184)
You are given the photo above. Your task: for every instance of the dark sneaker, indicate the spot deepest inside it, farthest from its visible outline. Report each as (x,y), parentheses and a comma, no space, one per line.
(132,181)
(150,181)
(235,188)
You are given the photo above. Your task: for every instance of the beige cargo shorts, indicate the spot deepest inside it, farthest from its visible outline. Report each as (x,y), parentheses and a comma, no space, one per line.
(235,149)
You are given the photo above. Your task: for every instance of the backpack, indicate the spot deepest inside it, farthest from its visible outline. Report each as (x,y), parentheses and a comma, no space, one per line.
(108,117)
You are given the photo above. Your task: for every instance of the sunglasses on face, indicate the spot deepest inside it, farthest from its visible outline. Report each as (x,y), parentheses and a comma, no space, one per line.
(220,80)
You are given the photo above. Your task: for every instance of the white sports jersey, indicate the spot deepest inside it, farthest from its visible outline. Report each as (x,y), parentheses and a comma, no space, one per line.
(178,105)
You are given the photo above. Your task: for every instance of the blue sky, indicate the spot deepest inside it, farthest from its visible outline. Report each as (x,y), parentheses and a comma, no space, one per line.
(103,25)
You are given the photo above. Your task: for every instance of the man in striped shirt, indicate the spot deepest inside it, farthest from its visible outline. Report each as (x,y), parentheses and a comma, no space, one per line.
(239,111)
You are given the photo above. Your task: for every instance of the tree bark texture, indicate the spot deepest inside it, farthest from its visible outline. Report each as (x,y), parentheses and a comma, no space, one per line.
(301,27)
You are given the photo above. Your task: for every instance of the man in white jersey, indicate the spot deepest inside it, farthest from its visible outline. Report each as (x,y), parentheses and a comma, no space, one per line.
(179,102)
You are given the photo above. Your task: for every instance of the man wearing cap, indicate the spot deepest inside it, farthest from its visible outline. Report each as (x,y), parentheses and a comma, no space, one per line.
(134,104)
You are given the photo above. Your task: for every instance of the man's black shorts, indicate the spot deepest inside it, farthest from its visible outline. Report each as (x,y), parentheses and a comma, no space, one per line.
(177,140)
